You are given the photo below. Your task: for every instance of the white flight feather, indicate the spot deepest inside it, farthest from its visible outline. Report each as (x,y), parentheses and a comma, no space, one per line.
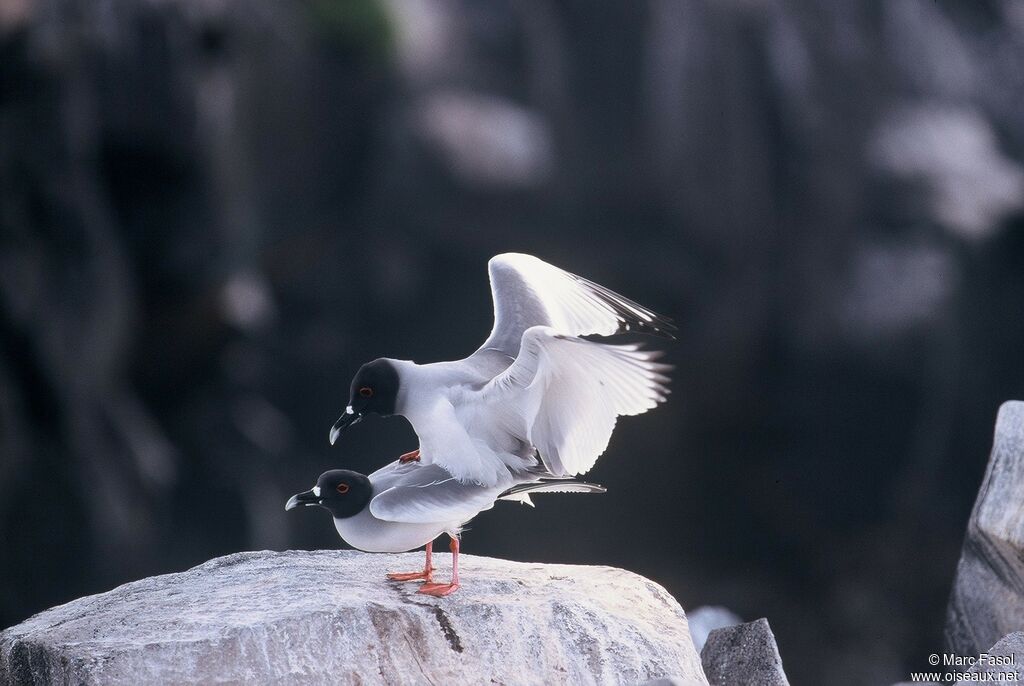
(570,391)
(530,292)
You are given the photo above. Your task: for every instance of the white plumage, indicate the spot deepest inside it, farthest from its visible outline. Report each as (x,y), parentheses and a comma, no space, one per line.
(529,292)
(566,394)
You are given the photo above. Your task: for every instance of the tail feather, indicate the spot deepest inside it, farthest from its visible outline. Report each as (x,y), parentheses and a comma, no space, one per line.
(522,491)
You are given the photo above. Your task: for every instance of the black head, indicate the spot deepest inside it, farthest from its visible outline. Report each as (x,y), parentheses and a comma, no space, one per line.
(374,391)
(341,491)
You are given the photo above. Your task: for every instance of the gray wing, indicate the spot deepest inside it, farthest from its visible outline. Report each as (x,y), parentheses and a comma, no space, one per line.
(530,292)
(391,473)
(417,493)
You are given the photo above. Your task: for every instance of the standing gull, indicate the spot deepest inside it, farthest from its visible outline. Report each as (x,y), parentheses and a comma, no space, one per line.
(405,505)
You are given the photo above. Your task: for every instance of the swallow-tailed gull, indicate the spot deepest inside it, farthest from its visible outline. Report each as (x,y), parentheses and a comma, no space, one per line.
(536,394)
(405,505)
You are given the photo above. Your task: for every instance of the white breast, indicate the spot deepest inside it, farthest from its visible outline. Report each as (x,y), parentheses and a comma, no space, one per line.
(366,532)
(472,444)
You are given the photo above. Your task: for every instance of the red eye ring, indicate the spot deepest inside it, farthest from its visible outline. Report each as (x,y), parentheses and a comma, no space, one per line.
(342,488)
(366,392)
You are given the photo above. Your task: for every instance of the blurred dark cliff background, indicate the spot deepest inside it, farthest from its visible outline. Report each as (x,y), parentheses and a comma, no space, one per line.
(212,211)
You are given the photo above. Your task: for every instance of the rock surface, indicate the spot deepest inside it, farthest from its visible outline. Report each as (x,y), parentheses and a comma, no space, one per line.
(986,602)
(743,654)
(1003,662)
(330,617)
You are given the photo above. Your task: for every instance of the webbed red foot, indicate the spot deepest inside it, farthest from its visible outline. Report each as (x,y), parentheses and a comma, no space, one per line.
(426,575)
(441,590)
(438,590)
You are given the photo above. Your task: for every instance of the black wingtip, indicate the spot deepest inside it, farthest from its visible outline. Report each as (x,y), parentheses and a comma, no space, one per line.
(661,327)
(633,317)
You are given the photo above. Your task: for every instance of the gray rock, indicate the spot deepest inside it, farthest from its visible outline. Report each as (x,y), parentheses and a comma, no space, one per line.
(743,654)
(706,619)
(986,602)
(1002,660)
(331,617)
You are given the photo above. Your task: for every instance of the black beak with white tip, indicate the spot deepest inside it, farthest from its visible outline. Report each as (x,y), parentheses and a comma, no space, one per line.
(346,420)
(310,497)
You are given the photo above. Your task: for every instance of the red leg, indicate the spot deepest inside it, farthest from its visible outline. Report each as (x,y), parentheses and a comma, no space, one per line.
(445,589)
(426,575)
(413,456)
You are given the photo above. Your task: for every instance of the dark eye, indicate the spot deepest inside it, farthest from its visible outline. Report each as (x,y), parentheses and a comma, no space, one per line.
(342,488)
(366,392)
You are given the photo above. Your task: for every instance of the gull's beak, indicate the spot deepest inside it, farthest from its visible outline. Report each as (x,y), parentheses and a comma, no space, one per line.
(348,419)
(309,497)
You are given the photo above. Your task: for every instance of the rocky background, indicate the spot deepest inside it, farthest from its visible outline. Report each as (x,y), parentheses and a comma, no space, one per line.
(211,211)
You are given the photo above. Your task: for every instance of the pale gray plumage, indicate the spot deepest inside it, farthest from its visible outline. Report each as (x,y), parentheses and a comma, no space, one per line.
(411,504)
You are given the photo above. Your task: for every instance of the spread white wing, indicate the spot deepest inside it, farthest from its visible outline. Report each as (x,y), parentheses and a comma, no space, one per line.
(567,393)
(530,292)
